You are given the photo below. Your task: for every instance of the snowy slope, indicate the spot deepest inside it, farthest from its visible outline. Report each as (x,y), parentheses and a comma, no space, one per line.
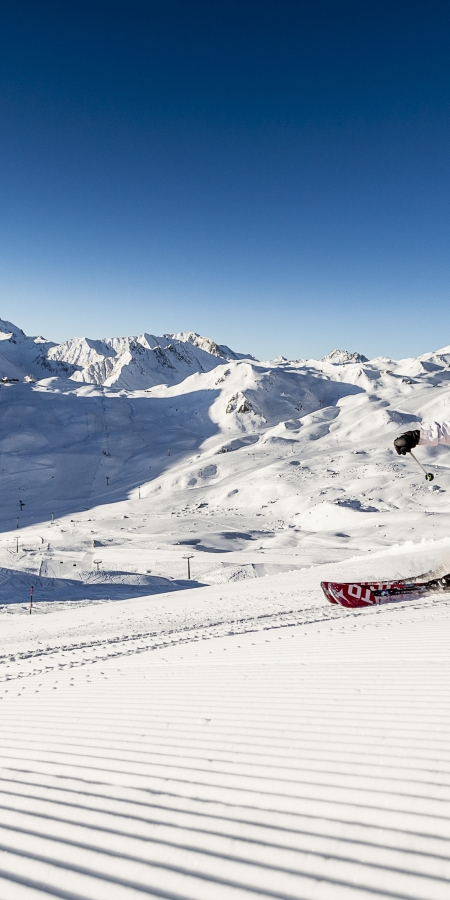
(257,467)
(248,742)
(232,735)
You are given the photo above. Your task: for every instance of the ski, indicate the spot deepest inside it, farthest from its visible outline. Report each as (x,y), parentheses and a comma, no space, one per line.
(372,593)
(327,587)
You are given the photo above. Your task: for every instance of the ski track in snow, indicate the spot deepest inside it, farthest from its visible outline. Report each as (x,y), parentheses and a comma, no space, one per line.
(241,738)
(32,661)
(306,761)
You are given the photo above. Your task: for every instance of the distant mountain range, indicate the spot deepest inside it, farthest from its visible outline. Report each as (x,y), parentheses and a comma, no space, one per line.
(255,450)
(145,361)
(124,363)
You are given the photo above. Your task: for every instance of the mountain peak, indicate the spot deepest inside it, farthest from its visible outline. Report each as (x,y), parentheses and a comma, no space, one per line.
(10,332)
(208,345)
(343,358)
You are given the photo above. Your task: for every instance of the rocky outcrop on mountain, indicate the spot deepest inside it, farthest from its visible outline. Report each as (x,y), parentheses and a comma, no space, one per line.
(343,357)
(204,343)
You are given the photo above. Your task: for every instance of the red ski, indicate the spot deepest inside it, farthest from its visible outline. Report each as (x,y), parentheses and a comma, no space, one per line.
(371,593)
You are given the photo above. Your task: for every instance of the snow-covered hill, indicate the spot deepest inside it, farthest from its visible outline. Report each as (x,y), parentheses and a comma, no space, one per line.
(151,445)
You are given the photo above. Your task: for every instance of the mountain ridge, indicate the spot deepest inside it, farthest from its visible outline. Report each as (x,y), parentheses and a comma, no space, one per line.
(125,363)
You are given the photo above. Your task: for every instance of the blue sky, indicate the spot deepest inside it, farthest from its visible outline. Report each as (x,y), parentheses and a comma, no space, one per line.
(271,173)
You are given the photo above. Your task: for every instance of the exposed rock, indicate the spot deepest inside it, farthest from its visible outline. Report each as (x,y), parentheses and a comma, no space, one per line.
(343,358)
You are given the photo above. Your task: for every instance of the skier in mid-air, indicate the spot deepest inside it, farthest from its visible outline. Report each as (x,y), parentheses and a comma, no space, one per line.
(431,435)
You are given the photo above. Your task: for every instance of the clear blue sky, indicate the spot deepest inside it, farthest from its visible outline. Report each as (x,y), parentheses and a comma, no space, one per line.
(271,173)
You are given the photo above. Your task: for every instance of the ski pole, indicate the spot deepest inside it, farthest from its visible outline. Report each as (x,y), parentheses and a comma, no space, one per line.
(428,475)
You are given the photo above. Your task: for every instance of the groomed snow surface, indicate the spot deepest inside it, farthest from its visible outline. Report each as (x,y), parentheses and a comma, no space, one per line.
(231,736)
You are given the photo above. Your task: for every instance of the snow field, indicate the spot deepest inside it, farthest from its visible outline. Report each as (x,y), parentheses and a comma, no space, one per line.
(233,736)
(252,464)
(305,760)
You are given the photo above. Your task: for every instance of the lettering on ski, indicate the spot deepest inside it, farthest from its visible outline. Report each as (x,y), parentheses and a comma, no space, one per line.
(329,586)
(370,593)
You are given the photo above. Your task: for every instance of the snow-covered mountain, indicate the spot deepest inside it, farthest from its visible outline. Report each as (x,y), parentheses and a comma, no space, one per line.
(125,363)
(134,363)
(342,357)
(258,465)
(219,350)
(25,357)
